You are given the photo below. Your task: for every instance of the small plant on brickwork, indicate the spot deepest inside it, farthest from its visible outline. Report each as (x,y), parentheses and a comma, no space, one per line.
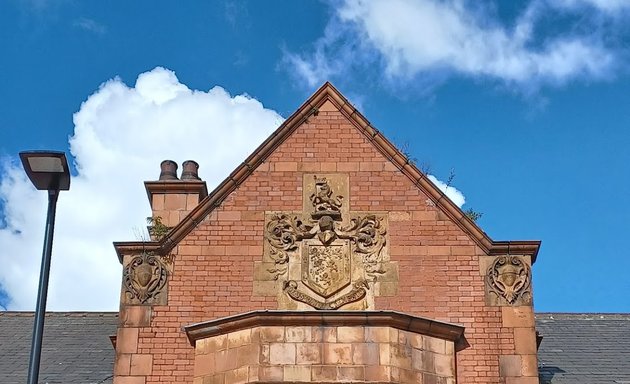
(473,215)
(425,167)
(405,149)
(470,213)
(157,228)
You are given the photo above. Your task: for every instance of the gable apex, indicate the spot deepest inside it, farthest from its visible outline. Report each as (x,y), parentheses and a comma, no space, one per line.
(328,98)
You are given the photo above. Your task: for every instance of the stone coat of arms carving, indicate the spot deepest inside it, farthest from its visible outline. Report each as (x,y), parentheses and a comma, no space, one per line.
(325,257)
(509,279)
(144,280)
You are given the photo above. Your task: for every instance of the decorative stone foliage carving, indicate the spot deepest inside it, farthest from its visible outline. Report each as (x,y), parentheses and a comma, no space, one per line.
(325,257)
(144,280)
(509,279)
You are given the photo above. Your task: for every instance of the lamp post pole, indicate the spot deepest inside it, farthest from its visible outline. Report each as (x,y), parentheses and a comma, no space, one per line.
(42,293)
(48,171)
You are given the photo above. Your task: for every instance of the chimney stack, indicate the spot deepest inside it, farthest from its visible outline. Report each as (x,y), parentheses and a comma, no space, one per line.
(171,198)
(189,171)
(168,170)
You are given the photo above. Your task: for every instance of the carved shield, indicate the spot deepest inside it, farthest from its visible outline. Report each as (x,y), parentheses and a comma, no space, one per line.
(326,268)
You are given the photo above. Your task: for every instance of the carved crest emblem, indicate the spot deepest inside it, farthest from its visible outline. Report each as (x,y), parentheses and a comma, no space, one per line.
(510,278)
(144,278)
(324,246)
(326,269)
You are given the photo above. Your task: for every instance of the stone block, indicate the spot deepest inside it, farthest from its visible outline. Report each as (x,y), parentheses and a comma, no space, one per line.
(408,376)
(127,340)
(271,334)
(261,271)
(265,288)
(141,364)
(510,366)
(270,374)
(253,373)
(237,376)
(129,380)
(429,378)
(247,354)
(434,344)
(192,200)
(122,364)
(225,360)
(337,353)
(264,353)
(384,353)
(204,365)
(514,317)
(324,373)
(175,202)
(377,334)
(308,353)
(282,353)
(297,373)
(350,334)
(238,338)
(326,335)
(218,378)
(391,273)
(522,380)
(157,202)
(216,343)
(135,316)
(401,356)
(530,365)
(416,340)
(393,335)
(297,334)
(525,341)
(365,353)
(379,373)
(450,348)
(444,365)
(352,373)
(424,361)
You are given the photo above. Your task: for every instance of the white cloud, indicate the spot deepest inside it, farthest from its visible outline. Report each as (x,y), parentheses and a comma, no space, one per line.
(121,135)
(453,193)
(90,25)
(602,5)
(410,37)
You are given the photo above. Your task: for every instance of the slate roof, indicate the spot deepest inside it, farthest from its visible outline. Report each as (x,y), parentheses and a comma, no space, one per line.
(76,347)
(576,348)
(584,348)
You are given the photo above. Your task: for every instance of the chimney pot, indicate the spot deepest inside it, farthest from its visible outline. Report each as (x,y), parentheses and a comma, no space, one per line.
(190,169)
(168,170)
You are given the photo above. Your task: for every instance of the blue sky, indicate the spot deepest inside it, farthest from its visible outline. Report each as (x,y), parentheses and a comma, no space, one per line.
(526,101)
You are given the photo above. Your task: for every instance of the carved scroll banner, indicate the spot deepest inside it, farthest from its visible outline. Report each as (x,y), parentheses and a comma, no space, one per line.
(325,257)
(508,281)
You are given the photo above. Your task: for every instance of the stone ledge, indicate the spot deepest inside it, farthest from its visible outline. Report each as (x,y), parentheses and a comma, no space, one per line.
(421,325)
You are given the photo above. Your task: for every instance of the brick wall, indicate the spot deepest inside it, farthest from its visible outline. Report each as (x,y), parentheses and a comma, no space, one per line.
(441,276)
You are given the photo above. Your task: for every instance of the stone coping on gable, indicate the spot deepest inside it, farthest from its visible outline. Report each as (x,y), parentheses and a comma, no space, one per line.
(398,320)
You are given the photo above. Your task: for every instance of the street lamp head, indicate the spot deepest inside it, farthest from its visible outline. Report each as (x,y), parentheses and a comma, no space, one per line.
(48,170)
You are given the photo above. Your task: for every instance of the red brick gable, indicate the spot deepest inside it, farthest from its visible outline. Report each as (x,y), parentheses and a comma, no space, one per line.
(441,259)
